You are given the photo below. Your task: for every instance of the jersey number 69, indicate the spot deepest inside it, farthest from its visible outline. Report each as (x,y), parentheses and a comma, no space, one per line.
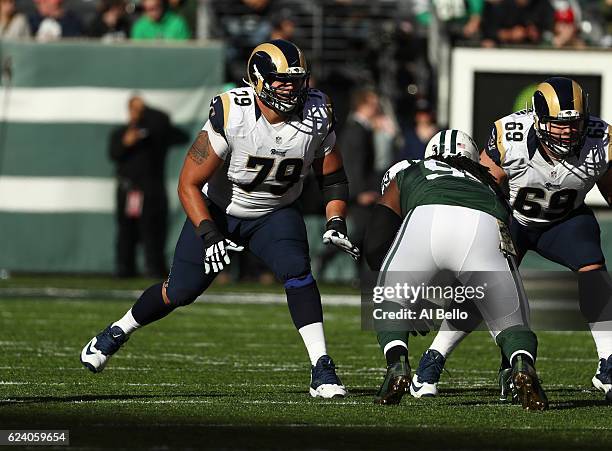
(561,203)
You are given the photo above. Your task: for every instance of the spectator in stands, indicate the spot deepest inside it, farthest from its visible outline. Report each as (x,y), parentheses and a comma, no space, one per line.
(359,155)
(111,23)
(386,140)
(283,27)
(189,10)
(517,22)
(241,24)
(460,18)
(139,152)
(158,22)
(52,21)
(13,25)
(418,135)
(566,33)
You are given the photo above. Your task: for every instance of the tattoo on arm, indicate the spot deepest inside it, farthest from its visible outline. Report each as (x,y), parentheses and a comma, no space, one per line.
(200,149)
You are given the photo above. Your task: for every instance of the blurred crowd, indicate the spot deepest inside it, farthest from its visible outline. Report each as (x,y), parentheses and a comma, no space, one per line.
(373,57)
(349,43)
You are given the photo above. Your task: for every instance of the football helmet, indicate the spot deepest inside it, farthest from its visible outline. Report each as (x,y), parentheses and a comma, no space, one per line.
(557,103)
(278,61)
(452,143)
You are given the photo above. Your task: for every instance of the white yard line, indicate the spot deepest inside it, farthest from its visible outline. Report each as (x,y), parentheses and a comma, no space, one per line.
(232,297)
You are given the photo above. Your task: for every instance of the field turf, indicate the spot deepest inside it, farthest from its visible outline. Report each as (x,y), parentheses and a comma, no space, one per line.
(233,376)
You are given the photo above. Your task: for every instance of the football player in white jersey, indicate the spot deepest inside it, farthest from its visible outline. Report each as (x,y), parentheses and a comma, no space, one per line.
(550,157)
(238,186)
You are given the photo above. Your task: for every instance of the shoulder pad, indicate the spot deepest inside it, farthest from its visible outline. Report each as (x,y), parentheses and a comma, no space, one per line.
(323,104)
(599,129)
(393,171)
(512,132)
(219,112)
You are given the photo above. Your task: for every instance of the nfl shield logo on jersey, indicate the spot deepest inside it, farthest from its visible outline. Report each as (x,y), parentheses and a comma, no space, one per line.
(279,140)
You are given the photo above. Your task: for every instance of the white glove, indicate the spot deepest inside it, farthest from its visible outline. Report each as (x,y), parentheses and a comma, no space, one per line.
(337,235)
(216,247)
(216,255)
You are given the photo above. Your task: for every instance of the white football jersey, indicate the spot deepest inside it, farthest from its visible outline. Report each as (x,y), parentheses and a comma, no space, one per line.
(265,164)
(541,192)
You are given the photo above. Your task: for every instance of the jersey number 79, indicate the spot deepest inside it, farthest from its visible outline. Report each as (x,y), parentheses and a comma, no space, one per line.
(288,173)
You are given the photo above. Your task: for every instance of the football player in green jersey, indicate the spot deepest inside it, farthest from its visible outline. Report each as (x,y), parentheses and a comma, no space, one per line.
(428,220)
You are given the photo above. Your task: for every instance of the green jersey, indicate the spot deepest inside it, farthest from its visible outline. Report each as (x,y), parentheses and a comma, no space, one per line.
(170,27)
(432,182)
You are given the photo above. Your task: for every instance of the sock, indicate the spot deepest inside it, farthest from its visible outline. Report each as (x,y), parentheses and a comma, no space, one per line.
(518,340)
(388,339)
(521,353)
(447,340)
(314,340)
(127,324)
(394,352)
(304,301)
(602,334)
(150,306)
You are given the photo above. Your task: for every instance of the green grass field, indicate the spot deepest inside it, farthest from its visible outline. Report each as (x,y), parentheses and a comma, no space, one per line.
(235,376)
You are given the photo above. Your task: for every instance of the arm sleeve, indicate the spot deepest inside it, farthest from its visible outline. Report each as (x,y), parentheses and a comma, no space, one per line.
(380,233)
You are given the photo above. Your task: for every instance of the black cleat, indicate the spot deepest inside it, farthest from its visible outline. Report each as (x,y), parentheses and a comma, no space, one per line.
(395,385)
(504,380)
(526,385)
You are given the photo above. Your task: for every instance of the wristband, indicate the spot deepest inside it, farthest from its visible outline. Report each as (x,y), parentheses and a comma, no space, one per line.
(207,230)
(336,223)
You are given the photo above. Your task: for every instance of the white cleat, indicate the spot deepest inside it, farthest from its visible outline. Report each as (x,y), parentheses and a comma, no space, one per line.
(422,389)
(328,391)
(425,380)
(324,382)
(100,348)
(603,377)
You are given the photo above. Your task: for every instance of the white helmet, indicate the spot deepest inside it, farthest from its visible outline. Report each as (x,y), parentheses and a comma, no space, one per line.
(452,143)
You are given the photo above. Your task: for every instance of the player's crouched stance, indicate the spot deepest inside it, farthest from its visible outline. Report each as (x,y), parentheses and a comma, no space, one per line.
(238,186)
(550,156)
(446,213)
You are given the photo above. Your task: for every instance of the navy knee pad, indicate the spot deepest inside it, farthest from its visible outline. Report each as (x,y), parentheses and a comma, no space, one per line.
(304,300)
